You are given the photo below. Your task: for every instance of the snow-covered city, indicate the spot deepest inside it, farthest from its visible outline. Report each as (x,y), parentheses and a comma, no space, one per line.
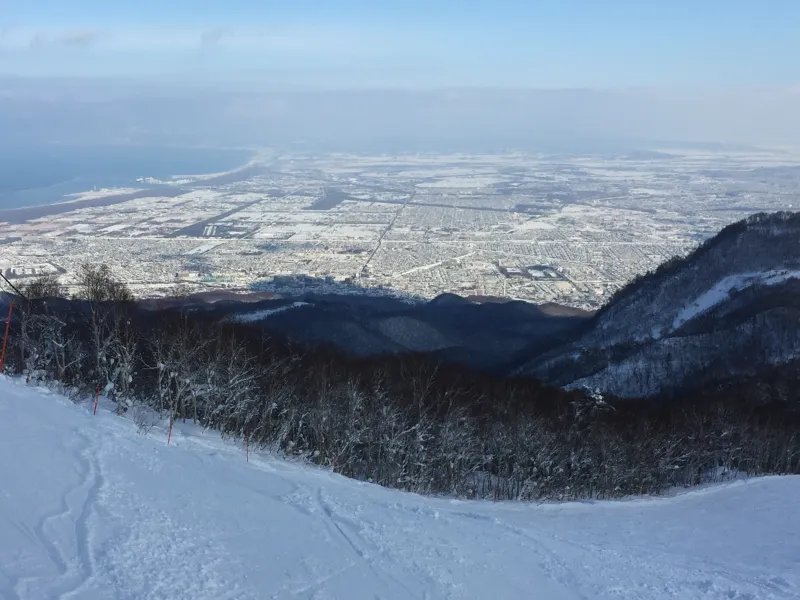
(399,300)
(560,228)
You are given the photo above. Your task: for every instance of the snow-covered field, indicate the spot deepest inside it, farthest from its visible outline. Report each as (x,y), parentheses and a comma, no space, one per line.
(89,508)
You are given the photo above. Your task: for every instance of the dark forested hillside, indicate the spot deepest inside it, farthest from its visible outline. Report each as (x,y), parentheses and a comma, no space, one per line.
(406,421)
(730,308)
(486,334)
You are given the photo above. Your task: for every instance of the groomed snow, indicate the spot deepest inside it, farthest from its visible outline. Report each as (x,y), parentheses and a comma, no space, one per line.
(90,509)
(260,315)
(724,287)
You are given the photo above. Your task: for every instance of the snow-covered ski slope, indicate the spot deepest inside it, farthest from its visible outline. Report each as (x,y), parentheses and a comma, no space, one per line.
(723,288)
(90,509)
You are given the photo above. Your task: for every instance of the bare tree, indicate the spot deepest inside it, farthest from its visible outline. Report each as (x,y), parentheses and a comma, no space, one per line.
(97,284)
(113,343)
(43,286)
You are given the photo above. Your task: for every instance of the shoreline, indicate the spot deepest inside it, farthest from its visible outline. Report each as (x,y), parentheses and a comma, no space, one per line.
(77,200)
(202,177)
(19,216)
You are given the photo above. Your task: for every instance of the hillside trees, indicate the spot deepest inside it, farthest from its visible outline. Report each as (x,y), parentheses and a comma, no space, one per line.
(46,346)
(403,422)
(114,344)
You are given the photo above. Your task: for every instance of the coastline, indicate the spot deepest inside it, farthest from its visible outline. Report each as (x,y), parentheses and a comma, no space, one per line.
(90,199)
(18,216)
(255,160)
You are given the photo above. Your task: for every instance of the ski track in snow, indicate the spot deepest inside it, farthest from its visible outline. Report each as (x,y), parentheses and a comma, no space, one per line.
(260,315)
(722,290)
(64,532)
(90,509)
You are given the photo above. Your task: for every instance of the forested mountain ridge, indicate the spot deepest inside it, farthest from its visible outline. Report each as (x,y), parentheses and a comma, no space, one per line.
(485,334)
(408,421)
(730,308)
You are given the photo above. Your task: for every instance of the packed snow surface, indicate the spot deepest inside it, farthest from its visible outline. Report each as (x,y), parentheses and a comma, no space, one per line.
(91,509)
(260,315)
(724,287)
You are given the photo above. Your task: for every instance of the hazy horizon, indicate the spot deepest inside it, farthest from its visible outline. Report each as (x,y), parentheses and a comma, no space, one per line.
(406,74)
(566,44)
(99,110)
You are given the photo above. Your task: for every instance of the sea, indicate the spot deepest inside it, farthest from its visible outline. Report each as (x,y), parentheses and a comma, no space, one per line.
(46,174)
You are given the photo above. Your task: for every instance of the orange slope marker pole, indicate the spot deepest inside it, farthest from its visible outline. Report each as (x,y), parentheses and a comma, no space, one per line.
(5,337)
(96,399)
(246,445)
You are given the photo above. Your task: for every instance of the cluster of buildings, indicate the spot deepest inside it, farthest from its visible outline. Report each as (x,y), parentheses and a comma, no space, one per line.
(541,228)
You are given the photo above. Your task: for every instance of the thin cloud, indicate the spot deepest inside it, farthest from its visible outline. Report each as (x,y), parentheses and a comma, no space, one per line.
(70,38)
(80,37)
(38,40)
(306,42)
(212,37)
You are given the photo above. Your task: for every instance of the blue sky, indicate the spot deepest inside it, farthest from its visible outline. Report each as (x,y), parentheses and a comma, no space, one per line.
(411,43)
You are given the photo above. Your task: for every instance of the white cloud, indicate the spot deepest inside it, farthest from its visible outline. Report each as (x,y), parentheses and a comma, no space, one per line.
(19,38)
(181,39)
(71,38)
(78,37)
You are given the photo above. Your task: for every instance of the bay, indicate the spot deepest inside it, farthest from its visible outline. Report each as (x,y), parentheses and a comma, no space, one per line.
(37,175)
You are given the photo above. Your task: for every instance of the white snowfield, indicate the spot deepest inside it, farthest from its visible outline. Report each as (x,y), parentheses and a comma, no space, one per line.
(91,509)
(723,288)
(259,315)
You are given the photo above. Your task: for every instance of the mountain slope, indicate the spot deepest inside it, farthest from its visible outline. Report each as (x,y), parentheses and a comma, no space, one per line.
(92,510)
(730,308)
(484,335)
